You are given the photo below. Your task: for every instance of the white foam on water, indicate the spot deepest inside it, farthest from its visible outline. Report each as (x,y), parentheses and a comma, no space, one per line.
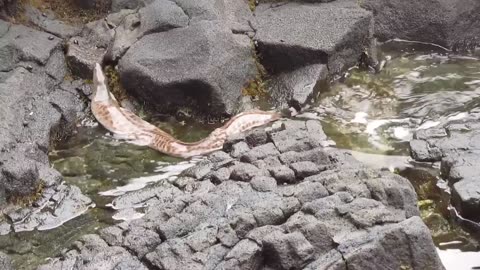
(473,82)
(360,117)
(428,124)
(127,214)
(164,173)
(455,259)
(459,116)
(402,133)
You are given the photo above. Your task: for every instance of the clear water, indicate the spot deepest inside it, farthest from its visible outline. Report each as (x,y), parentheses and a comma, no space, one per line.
(374,115)
(103,169)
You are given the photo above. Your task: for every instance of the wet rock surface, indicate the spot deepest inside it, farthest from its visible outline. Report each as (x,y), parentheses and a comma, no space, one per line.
(448,23)
(457,145)
(342,215)
(38,108)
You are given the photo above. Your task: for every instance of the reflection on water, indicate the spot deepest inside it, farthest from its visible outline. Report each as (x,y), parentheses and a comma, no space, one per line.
(376,115)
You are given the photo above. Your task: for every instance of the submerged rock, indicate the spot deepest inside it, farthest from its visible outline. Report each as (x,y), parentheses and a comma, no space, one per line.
(344,215)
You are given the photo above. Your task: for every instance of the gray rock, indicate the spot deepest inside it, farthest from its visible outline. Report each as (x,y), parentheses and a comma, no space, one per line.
(317,156)
(294,35)
(198,171)
(222,175)
(422,151)
(245,255)
(283,174)
(161,15)
(296,88)
(446,23)
(95,254)
(5,262)
(466,198)
(239,149)
(49,24)
(245,172)
(82,55)
(19,176)
(268,162)
(304,169)
(20,43)
(309,191)
(143,67)
(287,251)
(263,183)
(260,152)
(141,241)
(297,137)
(112,235)
(227,236)
(410,234)
(256,137)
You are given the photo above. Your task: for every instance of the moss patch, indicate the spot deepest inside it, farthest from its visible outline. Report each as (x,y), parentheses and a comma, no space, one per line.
(252,4)
(257,86)
(29,199)
(114,85)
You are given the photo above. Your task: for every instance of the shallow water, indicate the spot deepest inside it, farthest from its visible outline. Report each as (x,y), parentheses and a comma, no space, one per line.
(103,168)
(375,115)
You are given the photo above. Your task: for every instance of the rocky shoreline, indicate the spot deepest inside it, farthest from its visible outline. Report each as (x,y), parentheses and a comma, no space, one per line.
(273,200)
(313,208)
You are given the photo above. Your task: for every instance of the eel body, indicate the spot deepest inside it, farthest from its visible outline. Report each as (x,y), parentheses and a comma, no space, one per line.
(126,125)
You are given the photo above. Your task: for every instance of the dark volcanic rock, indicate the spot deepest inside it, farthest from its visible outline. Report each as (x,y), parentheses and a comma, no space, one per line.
(300,34)
(47,22)
(344,215)
(287,251)
(37,109)
(95,254)
(302,43)
(203,64)
(459,153)
(297,88)
(448,23)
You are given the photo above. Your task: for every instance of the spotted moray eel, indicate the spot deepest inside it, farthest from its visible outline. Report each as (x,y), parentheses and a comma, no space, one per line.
(126,125)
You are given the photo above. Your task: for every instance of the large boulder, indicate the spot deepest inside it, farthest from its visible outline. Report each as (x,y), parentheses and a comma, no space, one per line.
(301,43)
(346,216)
(448,23)
(203,66)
